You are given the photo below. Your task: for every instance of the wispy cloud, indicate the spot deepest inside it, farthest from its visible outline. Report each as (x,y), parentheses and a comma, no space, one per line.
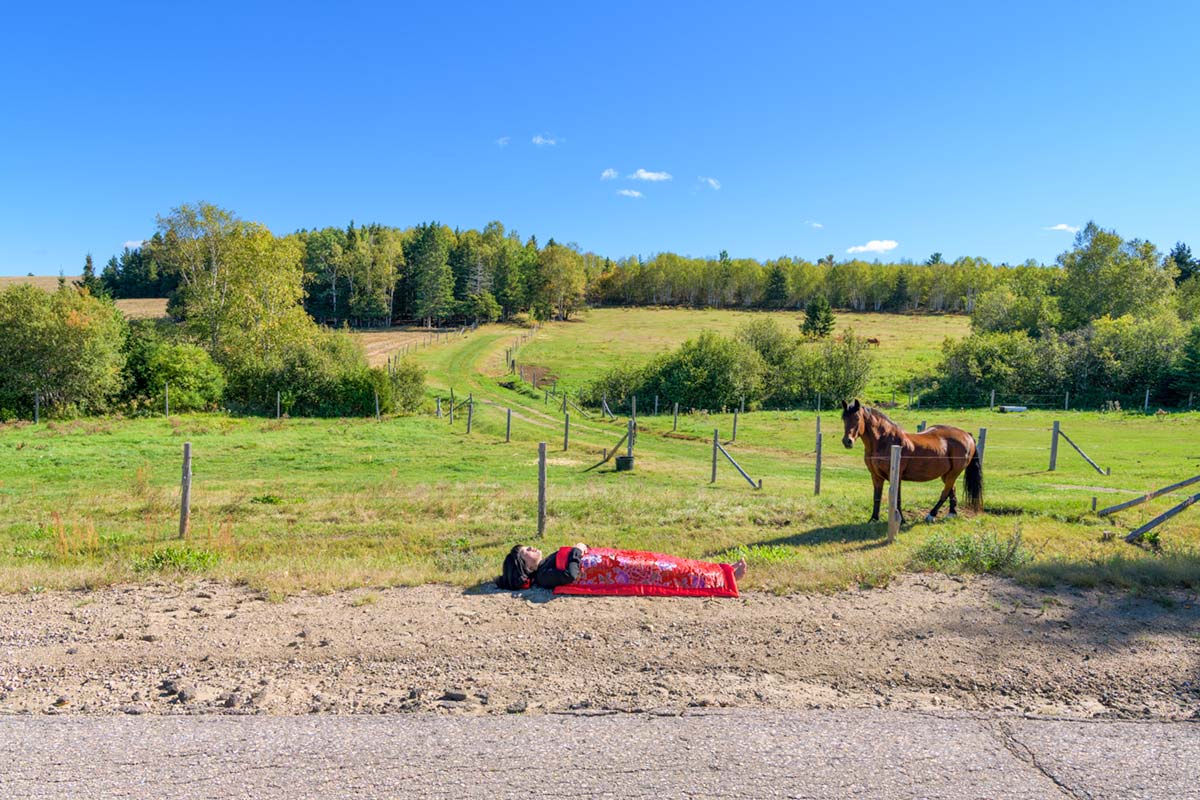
(503,141)
(629,193)
(812,223)
(133,244)
(608,174)
(645,175)
(544,140)
(713,182)
(874,246)
(1062,226)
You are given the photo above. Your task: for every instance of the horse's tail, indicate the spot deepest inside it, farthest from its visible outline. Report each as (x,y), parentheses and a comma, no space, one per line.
(975,482)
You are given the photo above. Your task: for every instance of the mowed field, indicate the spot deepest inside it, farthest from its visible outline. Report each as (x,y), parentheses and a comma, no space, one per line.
(579,351)
(133,308)
(324,504)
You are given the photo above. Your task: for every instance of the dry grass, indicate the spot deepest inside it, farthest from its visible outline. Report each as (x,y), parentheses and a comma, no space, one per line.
(47,282)
(143,307)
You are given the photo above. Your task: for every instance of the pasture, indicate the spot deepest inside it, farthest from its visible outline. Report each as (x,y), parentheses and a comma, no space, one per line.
(294,504)
(579,351)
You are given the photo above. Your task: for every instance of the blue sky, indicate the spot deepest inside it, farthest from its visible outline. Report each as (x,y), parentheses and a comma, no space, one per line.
(964,128)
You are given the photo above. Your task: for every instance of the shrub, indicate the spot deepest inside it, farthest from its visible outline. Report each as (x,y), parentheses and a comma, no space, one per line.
(196,383)
(408,385)
(843,367)
(707,372)
(65,345)
(973,552)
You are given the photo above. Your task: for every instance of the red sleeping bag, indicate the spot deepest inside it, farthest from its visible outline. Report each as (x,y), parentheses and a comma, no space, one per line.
(604,571)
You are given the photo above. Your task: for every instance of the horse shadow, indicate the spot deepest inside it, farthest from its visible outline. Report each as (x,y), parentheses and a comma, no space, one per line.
(534,594)
(868,535)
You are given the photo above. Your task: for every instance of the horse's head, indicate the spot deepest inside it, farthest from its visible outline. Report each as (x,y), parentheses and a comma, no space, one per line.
(854,420)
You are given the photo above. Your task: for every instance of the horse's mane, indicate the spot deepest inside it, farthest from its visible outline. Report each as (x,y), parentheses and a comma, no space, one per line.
(877,414)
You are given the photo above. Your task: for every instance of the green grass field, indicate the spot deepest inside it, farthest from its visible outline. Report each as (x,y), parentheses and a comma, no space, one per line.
(579,351)
(323,504)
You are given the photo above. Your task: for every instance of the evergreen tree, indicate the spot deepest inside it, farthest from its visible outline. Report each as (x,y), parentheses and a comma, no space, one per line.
(776,293)
(1187,265)
(429,268)
(899,298)
(1187,371)
(90,280)
(818,318)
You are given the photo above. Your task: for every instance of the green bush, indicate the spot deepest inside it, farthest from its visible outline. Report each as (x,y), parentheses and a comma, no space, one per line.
(324,374)
(709,372)
(408,385)
(972,552)
(65,345)
(196,383)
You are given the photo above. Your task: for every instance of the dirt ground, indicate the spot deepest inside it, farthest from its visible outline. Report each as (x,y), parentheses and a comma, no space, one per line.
(924,643)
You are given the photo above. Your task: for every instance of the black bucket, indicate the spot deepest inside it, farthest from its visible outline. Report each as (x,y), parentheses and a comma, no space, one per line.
(624,463)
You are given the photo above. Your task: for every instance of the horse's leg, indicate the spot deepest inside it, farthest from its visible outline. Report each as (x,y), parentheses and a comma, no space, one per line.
(899,505)
(946,490)
(878,481)
(953,502)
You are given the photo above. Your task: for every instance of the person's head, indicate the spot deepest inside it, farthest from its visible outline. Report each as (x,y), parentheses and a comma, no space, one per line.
(519,565)
(853,420)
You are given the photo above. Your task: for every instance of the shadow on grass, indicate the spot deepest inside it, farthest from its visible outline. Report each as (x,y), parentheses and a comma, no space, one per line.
(872,534)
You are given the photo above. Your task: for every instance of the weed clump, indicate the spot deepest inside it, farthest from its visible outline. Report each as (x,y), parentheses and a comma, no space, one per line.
(177,559)
(973,552)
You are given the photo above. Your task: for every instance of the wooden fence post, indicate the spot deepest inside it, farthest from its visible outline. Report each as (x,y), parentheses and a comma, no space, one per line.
(992,402)
(675,424)
(735,420)
(566,431)
(277,404)
(185,491)
(656,405)
(818,402)
(1067,401)
(451,410)
(817,475)
(508,426)
(439,407)
(716,446)
(541,489)
(910,394)
(629,442)
(742,408)
(1146,404)
(894,494)
(1054,447)
(920,426)
(470,413)
(377,405)
(633,408)
(980,444)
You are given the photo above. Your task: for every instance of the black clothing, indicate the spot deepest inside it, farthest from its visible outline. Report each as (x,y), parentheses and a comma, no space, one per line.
(553,572)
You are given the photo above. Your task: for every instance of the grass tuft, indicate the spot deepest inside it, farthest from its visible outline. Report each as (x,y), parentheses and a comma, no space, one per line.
(983,552)
(177,559)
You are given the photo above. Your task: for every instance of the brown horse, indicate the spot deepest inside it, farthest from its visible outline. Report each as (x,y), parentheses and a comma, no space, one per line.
(941,451)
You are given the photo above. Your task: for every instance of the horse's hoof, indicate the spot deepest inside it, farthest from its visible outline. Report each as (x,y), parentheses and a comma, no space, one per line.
(873,519)
(952,515)
(929,518)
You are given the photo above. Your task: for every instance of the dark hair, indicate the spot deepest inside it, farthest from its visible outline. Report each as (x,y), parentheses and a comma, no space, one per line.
(514,576)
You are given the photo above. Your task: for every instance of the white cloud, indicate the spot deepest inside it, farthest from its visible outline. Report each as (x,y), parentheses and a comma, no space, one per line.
(544,140)
(629,192)
(608,174)
(812,223)
(134,244)
(644,175)
(1062,226)
(503,141)
(875,246)
(713,182)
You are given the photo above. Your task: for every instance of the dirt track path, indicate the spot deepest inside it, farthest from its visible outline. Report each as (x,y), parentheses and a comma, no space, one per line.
(925,643)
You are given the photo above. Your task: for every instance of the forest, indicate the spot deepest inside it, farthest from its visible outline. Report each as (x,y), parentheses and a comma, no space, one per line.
(1112,318)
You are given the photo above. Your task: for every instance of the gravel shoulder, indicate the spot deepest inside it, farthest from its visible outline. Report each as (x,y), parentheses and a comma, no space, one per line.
(926,643)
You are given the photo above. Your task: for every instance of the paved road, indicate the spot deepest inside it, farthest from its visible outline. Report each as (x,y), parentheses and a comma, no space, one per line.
(738,754)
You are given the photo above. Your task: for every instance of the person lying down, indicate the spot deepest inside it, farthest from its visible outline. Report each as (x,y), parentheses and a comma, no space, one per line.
(584,570)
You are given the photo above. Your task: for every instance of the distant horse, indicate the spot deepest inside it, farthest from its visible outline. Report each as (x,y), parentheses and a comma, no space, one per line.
(872,342)
(941,451)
